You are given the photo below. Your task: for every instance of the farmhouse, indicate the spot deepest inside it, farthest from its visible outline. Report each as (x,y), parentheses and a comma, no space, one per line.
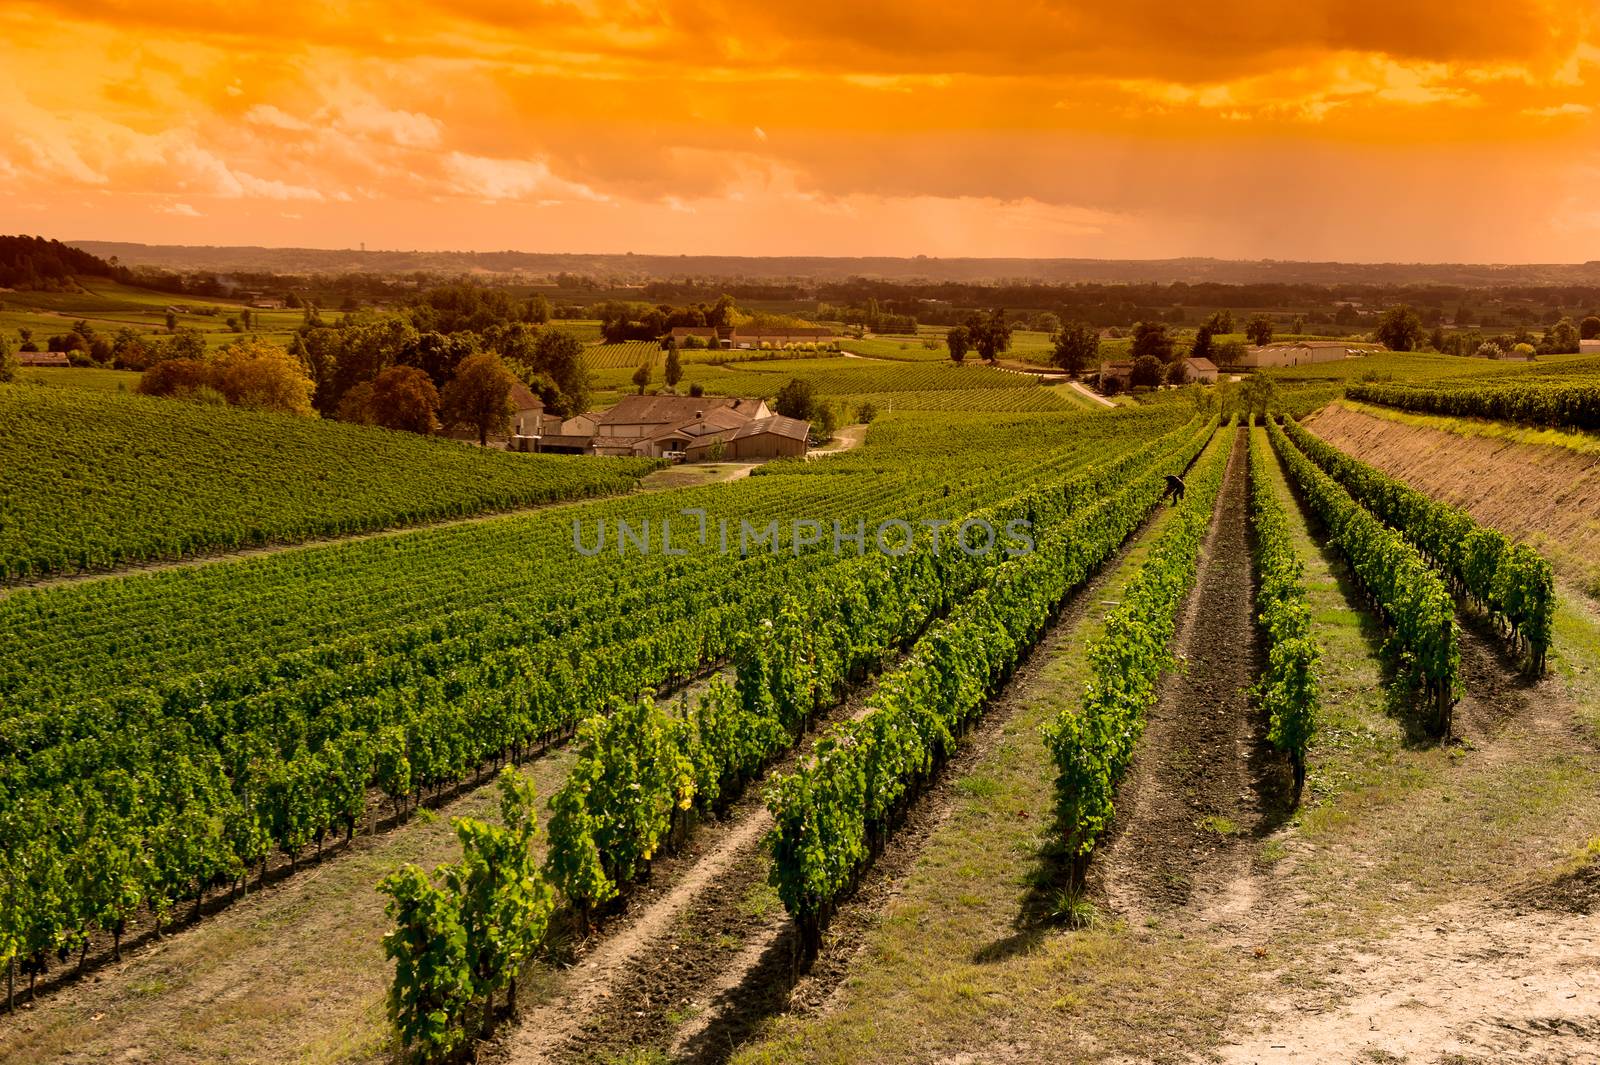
(655,426)
(778,338)
(527,418)
(1589,347)
(43,358)
(1120,372)
(762,438)
(704,336)
(267,303)
(1301,353)
(1202,370)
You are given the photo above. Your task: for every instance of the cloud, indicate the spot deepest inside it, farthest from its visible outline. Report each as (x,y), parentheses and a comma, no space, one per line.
(486,178)
(1559,110)
(276,118)
(947,125)
(182,209)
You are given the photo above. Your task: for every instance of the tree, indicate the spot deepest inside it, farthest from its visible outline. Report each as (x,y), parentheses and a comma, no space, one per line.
(1150,339)
(1561,338)
(9,363)
(174,377)
(1400,329)
(479,396)
(403,398)
(1147,371)
(172,322)
(674,371)
(1220,322)
(641,376)
(1589,328)
(1258,394)
(1077,347)
(697,389)
(1045,322)
(990,334)
(1259,330)
(262,376)
(866,412)
(797,399)
(959,341)
(1202,343)
(826,421)
(1178,372)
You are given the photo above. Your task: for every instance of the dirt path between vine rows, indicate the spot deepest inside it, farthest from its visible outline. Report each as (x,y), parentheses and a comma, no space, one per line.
(1200,782)
(700,968)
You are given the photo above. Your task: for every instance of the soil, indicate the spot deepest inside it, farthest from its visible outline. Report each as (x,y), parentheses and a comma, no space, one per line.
(1470,984)
(1203,780)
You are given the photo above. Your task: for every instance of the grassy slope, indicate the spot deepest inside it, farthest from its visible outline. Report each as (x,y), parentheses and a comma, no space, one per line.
(1388,834)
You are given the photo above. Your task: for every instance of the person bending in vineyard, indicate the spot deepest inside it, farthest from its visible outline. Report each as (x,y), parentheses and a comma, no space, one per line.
(1175,488)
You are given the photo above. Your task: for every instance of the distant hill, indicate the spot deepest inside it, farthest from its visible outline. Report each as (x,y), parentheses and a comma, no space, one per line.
(37,263)
(640,268)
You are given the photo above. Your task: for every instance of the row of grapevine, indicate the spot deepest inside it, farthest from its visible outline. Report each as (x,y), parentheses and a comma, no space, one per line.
(1410,597)
(639,769)
(190,773)
(833,813)
(462,935)
(1511,582)
(94,480)
(1093,744)
(1535,401)
(1289,692)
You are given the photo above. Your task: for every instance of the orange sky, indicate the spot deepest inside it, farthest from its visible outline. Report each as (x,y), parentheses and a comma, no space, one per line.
(1412,130)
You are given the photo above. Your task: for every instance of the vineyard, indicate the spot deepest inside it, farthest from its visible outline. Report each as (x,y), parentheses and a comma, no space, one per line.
(1546,400)
(772,720)
(268,701)
(93,480)
(626,356)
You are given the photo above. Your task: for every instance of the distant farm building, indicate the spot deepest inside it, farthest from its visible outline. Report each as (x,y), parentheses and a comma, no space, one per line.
(1301,353)
(1119,375)
(267,303)
(527,419)
(778,338)
(43,358)
(763,438)
(698,427)
(703,336)
(1589,347)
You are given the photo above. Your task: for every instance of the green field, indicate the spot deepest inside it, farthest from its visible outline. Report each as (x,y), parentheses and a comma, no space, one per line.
(89,377)
(94,479)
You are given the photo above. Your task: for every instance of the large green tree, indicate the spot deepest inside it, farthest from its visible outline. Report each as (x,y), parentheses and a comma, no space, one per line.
(959,341)
(1152,339)
(1400,329)
(479,396)
(1077,347)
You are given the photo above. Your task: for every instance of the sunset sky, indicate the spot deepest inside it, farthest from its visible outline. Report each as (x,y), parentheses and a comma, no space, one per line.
(1323,129)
